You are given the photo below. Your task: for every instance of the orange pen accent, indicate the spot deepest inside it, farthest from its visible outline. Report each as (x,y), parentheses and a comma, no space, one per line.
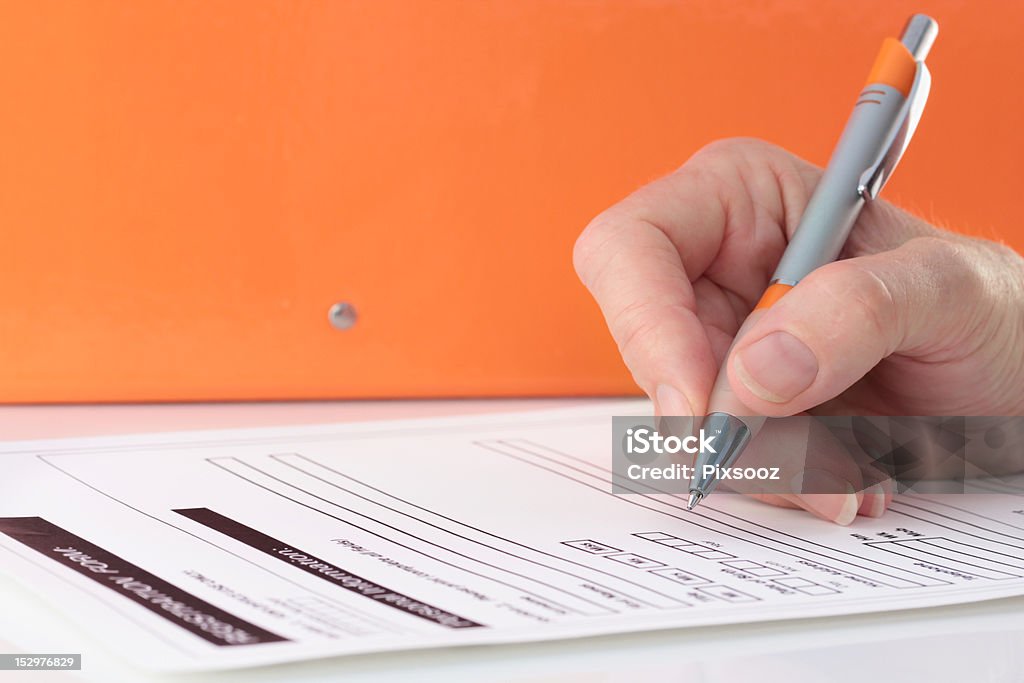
(772,294)
(894,66)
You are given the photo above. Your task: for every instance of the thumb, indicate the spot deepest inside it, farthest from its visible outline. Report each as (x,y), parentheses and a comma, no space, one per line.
(837,324)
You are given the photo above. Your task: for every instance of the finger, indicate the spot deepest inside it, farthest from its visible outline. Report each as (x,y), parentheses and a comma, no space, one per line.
(640,259)
(877,498)
(919,301)
(785,502)
(859,437)
(635,274)
(808,467)
(643,287)
(881,227)
(838,508)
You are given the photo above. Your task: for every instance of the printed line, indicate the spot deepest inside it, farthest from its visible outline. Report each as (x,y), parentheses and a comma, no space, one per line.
(945,563)
(481,531)
(904,503)
(145,626)
(380,623)
(705,506)
(932,542)
(904,497)
(402,545)
(685,519)
(896,510)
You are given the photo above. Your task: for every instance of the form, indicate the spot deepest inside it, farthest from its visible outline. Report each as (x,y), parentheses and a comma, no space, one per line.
(209,550)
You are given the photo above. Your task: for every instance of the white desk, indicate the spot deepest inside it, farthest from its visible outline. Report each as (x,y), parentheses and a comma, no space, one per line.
(981,643)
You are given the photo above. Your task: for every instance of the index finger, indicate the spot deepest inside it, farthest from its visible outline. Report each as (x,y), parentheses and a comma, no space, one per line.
(663,264)
(633,269)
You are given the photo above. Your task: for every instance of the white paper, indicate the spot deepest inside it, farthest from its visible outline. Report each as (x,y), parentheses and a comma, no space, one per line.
(442,532)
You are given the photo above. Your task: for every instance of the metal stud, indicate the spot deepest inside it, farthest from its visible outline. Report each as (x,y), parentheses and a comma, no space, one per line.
(342,315)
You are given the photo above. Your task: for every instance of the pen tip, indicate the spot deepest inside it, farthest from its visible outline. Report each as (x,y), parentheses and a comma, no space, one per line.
(695,497)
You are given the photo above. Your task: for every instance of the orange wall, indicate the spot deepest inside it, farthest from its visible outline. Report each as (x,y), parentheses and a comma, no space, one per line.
(186,187)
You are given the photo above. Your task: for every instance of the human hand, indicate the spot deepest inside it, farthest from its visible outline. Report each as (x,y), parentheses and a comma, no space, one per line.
(912,320)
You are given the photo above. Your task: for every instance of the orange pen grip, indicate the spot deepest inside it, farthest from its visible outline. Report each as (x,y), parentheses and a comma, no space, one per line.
(894,66)
(772,294)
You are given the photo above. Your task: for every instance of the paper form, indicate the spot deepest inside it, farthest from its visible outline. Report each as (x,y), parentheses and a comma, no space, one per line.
(210,550)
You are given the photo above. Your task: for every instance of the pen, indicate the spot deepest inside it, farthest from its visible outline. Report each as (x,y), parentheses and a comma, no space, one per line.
(876,135)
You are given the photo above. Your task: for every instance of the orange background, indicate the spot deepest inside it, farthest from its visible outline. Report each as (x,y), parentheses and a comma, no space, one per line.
(186,187)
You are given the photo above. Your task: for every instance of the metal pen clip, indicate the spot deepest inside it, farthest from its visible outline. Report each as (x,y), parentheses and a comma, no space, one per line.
(876,175)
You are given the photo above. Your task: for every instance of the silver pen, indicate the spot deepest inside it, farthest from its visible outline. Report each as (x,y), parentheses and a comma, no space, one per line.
(873,141)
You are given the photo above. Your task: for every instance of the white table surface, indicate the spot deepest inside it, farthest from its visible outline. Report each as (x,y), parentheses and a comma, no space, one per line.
(980,642)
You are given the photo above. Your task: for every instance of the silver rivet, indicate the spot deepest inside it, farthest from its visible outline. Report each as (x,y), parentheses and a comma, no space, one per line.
(342,315)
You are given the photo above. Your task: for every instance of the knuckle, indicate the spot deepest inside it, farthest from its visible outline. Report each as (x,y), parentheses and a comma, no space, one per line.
(588,245)
(632,324)
(989,278)
(726,157)
(875,301)
(935,250)
(720,147)
(732,147)
(635,327)
(858,292)
(759,174)
(953,264)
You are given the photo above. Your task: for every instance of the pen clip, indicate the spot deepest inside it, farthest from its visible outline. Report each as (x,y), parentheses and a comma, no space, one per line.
(876,175)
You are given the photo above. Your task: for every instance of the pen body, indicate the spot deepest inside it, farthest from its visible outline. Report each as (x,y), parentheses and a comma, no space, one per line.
(837,200)
(875,135)
(823,230)
(835,204)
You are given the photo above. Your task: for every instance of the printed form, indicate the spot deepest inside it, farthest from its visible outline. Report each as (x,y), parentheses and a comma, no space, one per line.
(208,550)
